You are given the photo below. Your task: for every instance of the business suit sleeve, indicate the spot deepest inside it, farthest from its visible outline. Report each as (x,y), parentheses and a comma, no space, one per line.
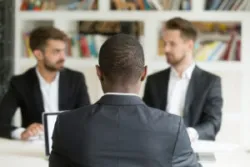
(211,118)
(183,155)
(82,93)
(8,107)
(57,158)
(147,98)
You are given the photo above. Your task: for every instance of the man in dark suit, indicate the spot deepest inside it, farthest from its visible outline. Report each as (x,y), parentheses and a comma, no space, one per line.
(48,87)
(120,129)
(184,89)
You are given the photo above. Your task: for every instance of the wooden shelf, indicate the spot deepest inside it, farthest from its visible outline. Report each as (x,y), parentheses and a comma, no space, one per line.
(133,15)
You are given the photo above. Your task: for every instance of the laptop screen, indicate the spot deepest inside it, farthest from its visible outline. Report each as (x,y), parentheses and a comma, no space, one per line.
(49,119)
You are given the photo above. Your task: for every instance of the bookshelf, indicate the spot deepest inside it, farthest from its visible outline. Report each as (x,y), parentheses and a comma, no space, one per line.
(235,74)
(227,5)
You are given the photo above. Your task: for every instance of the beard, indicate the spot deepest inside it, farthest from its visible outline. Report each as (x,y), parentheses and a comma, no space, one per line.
(53,67)
(174,61)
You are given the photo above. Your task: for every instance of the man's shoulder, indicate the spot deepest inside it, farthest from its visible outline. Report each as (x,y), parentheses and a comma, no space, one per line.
(78,113)
(164,122)
(168,119)
(154,113)
(159,74)
(72,73)
(209,75)
(26,76)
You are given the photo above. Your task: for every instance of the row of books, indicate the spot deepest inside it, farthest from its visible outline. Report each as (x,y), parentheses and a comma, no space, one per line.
(218,41)
(135,28)
(229,50)
(114,4)
(229,5)
(234,5)
(84,46)
(151,4)
(219,27)
(58,5)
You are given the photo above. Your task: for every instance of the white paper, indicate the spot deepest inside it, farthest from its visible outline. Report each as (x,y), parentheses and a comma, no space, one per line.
(203,146)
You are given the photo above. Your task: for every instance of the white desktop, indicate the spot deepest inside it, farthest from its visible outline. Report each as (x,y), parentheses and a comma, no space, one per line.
(16,153)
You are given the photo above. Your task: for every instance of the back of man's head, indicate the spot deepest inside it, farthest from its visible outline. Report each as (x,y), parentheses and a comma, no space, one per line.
(121,60)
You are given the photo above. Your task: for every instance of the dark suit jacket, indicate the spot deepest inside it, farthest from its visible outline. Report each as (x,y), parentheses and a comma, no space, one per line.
(24,92)
(120,131)
(203,103)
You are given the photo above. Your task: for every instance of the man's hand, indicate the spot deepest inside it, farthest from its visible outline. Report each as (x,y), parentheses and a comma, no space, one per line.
(33,130)
(193,134)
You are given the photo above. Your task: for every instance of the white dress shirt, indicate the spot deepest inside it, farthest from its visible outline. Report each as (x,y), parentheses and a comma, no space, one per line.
(50,99)
(49,93)
(177,90)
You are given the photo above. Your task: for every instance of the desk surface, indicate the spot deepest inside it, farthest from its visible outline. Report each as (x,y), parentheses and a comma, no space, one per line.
(28,154)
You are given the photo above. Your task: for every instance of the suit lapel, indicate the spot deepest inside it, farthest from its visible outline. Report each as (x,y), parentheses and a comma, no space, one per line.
(63,90)
(163,91)
(191,91)
(37,94)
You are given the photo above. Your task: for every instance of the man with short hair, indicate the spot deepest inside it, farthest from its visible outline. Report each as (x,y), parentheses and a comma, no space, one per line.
(184,89)
(48,87)
(120,130)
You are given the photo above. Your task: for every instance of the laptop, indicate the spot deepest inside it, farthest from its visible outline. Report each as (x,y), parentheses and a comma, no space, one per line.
(49,119)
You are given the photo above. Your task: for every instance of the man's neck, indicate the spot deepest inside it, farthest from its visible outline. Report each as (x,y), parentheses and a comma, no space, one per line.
(122,90)
(181,68)
(47,75)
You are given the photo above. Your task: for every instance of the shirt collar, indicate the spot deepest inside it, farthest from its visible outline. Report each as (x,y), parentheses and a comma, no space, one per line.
(186,74)
(122,94)
(42,80)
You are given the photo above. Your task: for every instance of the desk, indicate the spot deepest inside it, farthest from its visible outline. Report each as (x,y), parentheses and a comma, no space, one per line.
(28,154)
(22,154)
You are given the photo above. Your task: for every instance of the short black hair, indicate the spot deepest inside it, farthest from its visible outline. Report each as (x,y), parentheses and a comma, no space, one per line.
(40,35)
(121,59)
